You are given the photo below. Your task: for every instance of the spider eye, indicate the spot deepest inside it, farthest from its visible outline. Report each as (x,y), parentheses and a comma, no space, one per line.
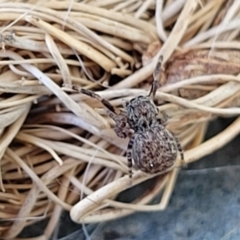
(144,124)
(127,103)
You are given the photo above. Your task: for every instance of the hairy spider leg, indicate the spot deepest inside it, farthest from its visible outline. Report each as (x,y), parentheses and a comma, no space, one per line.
(156,76)
(107,104)
(180,149)
(121,128)
(113,112)
(129,156)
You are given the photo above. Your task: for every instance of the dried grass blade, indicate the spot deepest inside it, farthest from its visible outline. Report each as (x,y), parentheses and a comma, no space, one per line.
(166,50)
(60,61)
(9,135)
(81,47)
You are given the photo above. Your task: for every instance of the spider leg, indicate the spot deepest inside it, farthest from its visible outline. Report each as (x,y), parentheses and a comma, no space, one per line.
(156,76)
(129,156)
(92,94)
(180,150)
(122,127)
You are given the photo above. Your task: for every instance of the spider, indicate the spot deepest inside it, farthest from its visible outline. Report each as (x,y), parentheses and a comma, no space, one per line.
(153,148)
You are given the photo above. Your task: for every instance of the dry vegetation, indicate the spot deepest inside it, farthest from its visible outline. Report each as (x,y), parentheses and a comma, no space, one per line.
(57,146)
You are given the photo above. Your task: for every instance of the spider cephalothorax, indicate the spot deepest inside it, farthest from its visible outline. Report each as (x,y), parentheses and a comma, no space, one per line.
(153,148)
(141,113)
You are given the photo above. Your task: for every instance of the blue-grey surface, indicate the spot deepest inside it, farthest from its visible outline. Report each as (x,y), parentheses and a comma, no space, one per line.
(205,204)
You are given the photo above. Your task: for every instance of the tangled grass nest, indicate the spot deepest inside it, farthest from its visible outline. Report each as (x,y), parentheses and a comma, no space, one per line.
(58,149)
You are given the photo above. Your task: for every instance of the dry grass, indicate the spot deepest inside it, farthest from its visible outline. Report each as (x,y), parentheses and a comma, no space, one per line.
(57,146)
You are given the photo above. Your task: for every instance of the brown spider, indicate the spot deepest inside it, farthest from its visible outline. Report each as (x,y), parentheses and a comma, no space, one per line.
(152,147)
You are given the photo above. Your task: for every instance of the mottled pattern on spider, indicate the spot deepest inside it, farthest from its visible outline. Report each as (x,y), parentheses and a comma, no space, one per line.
(153,148)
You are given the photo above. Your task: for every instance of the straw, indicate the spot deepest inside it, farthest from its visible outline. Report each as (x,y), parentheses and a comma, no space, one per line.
(57,144)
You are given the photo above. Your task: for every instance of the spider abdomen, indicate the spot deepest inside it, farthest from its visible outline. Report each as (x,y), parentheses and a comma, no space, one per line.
(154,150)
